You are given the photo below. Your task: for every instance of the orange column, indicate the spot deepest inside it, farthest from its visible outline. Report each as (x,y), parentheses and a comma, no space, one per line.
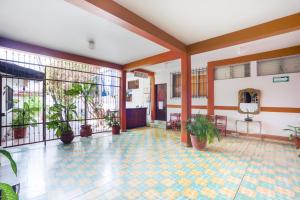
(123,101)
(153,106)
(210,92)
(186,98)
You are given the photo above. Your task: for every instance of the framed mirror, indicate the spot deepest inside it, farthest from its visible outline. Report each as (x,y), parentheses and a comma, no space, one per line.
(249,101)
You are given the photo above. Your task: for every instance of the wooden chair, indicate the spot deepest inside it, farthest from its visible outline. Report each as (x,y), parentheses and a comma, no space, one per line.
(221,123)
(175,121)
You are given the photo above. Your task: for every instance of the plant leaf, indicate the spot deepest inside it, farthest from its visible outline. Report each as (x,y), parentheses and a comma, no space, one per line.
(11,160)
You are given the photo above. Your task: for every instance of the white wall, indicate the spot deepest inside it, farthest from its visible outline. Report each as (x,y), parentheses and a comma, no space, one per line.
(226,94)
(272,95)
(139,98)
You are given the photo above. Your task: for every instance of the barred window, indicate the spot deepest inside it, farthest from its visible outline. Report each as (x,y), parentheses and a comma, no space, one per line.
(198,84)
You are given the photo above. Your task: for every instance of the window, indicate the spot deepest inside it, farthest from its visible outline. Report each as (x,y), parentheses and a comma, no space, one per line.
(198,84)
(279,66)
(176,85)
(232,71)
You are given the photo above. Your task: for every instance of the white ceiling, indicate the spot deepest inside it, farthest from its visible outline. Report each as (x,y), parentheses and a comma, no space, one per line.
(263,45)
(194,20)
(59,25)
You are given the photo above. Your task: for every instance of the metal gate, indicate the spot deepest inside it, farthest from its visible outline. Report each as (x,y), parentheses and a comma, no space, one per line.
(32,86)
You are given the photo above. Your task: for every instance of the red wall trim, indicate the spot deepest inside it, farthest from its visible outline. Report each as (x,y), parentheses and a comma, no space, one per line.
(186,97)
(152,60)
(263,109)
(123,101)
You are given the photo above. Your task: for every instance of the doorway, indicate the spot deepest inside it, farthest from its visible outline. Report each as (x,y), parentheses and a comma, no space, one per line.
(161,101)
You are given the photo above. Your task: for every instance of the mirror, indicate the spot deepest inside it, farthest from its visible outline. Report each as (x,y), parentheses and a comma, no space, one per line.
(249,101)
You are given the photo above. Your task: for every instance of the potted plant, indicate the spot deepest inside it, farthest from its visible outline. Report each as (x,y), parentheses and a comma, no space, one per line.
(84,90)
(202,131)
(112,122)
(60,115)
(295,135)
(25,116)
(6,190)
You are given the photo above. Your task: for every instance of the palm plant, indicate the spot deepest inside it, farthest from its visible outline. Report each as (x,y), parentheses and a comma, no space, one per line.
(203,129)
(85,90)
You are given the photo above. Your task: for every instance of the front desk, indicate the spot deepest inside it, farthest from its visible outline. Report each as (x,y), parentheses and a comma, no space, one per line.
(136,117)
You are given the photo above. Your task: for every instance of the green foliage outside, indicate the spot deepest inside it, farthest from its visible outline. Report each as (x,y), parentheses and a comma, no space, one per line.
(27,114)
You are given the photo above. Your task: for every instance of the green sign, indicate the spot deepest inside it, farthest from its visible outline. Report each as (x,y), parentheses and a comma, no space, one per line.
(280,79)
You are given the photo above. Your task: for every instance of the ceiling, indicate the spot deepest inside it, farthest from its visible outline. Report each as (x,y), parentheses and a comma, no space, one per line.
(61,26)
(262,45)
(191,21)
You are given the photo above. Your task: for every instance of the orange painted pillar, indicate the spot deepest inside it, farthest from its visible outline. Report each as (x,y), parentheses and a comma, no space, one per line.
(186,97)
(123,101)
(211,88)
(153,106)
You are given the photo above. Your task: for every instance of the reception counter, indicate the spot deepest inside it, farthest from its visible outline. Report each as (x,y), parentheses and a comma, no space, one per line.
(136,117)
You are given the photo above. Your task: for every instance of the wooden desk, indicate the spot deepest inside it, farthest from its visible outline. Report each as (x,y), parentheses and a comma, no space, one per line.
(136,117)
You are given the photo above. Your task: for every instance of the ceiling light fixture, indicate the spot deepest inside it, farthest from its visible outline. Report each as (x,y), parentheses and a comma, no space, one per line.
(91,44)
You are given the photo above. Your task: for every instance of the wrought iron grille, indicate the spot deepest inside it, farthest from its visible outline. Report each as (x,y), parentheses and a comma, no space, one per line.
(37,83)
(198,83)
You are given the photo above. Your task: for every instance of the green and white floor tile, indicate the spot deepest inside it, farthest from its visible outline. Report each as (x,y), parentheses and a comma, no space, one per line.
(152,164)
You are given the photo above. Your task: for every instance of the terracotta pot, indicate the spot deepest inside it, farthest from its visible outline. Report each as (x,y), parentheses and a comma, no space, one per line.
(198,144)
(67,138)
(85,130)
(19,132)
(115,130)
(297,142)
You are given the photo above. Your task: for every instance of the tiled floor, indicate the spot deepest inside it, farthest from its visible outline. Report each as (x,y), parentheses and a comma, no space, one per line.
(152,164)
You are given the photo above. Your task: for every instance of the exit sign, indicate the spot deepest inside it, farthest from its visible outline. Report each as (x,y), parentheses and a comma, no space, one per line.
(280,79)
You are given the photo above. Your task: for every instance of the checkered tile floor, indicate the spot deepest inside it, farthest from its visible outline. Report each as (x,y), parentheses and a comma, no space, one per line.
(152,164)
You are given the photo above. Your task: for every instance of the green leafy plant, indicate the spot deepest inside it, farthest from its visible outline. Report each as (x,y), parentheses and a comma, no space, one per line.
(203,129)
(7,191)
(24,116)
(60,115)
(111,119)
(295,131)
(85,90)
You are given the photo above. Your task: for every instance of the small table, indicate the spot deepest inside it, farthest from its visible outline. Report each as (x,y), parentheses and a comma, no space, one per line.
(247,122)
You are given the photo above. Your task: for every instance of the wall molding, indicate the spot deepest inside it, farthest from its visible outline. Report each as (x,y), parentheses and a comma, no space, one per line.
(235,108)
(263,136)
